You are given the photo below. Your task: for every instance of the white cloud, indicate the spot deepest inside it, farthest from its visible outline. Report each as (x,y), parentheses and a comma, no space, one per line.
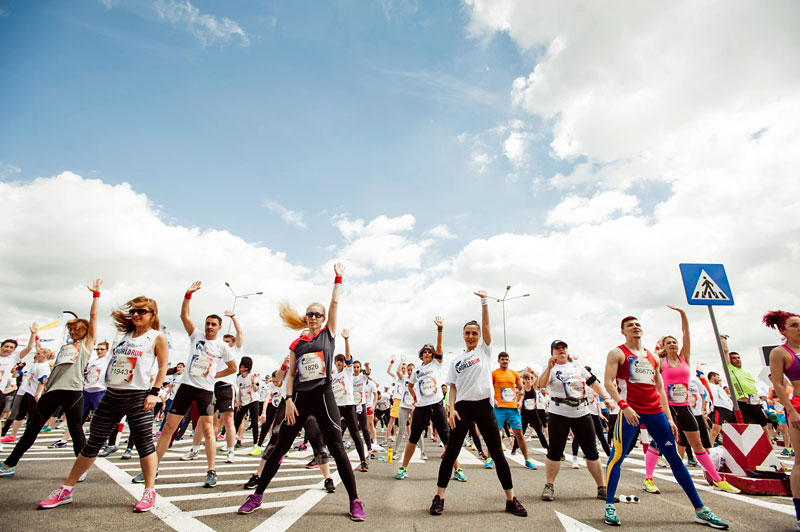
(8,171)
(439,231)
(208,29)
(395,9)
(291,217)
(576,210)
(515,147)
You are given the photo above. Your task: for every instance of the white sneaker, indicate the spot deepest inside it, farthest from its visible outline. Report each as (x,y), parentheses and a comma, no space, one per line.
(347,445)
(575,463)
(377,448)
(229,458)
(190,455)
(423,456)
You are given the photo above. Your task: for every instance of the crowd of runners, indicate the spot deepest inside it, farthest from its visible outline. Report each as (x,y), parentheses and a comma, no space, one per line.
(471,399)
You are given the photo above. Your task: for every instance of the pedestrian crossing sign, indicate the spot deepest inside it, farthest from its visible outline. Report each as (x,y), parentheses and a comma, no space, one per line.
(706,284)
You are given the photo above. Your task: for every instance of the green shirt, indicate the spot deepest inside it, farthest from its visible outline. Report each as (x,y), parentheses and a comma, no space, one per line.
(743,382)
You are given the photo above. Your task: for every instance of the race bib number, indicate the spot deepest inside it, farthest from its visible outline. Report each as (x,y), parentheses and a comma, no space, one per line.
(408,400)
(427,387)
(529,404)
(677,393)
(93,377)
(693,401)
(338,390)
(753,399)
(68,354)
(641,371)
(311,366)
(201,366)
(120,373)
(577,387)
(507,395)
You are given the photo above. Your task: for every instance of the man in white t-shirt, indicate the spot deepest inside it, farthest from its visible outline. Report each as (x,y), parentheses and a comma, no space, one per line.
(8,376)
(210,359)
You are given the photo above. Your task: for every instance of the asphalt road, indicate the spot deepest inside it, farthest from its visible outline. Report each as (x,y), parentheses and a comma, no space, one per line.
(296,501)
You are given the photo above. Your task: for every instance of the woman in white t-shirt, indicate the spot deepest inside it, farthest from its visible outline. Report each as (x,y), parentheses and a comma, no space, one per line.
(142,352)
(470,379)
(567,383)
(342,384)
(246,397)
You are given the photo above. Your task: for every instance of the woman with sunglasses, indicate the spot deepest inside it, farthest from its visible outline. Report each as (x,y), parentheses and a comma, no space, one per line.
(64,386)
(309,392)
(134,360)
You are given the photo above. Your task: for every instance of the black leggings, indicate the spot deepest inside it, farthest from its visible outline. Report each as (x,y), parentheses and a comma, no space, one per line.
(425,414)
(266,426)
(348,413)
(71,401)
(115,405)
(582,430)
(362,425)
(252,407)
(481,413)
(530,417)
(598,432)
(320,403)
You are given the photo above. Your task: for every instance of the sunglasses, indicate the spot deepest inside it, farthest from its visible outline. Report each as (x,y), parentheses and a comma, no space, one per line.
(317,315)
(140,311)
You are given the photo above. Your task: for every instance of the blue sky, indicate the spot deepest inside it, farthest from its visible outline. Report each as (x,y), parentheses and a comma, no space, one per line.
(326,109)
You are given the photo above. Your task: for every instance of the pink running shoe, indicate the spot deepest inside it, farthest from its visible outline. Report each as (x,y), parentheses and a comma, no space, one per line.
(60,496)
(8,439)
(147,502)
(357,511)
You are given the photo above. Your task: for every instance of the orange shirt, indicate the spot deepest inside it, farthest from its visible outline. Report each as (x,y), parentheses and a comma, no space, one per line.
(505,383)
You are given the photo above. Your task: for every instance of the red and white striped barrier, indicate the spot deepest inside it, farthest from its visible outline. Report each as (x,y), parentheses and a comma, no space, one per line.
(747,447)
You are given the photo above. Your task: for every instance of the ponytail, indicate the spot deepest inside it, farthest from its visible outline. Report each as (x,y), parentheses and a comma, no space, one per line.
(291,318)
(776,319)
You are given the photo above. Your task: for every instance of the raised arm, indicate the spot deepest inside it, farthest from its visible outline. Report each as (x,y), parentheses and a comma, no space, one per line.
(31,342)
(185,307)
(346,336)
(724,339)
(399,373)
(686,348)
(91,334)
(389,369)
(544,378)
(487,333)
(333,308)
(439,328)
(239,338)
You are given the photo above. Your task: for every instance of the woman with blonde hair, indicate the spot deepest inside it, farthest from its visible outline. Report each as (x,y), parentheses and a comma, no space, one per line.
(134,360)
(309,393)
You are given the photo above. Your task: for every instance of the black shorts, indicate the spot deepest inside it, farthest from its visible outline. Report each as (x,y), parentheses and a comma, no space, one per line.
(723,415)
(223,397)
(188,394)
(753,414)
(683,418)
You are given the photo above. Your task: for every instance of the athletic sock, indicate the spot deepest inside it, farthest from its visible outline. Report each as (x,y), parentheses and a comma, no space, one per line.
(68,488)
(705,461)
(650,460)
(196,448)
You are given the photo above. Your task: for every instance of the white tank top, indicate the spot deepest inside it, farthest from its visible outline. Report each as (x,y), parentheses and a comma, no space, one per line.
(133,362)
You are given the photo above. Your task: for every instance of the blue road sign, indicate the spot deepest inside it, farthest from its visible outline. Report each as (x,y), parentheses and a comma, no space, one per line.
(706,284)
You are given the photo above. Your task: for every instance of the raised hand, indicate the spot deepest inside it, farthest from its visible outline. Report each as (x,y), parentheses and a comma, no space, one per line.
(438,321)
(34,328)
(228,314)
(95,285)
(338,269)
(677,309)
(345,334)
(194,287)
(481,293)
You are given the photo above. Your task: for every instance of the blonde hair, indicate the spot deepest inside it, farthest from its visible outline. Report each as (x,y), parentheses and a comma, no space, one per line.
(291,319)
(122,316)
(663,351)
(79,323)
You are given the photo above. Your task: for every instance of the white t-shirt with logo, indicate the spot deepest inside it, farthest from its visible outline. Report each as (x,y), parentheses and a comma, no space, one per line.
(6,369)
(245,389)
(696,393)
(133,362)
(38,373)
(427,382)
(472,374)
(369,392)
(359,388)
(95,381)
(406,399)
(206,359)
(342,384)
(568,381)
(719,397)
(237,352)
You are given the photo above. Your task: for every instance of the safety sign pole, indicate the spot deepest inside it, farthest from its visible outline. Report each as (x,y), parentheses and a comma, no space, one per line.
(736,410)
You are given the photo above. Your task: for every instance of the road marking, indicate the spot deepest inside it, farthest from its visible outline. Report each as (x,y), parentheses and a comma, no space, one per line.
(572,525)
(241,493)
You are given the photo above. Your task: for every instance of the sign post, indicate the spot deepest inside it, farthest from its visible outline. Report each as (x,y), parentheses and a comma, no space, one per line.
(707,284)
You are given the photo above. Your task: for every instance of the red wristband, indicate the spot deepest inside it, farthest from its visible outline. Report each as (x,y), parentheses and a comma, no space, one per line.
(95,294)
(187,295)
(284,367)
(623,404)
(337,279)
(37,337)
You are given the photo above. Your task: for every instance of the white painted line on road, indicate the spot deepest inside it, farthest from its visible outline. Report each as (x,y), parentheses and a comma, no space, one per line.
(571,525)
(180,485)
(240,493)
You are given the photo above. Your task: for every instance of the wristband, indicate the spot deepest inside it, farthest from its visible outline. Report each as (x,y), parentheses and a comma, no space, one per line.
(284,367)
(187,295)
(95,294)
(623,404)
(337,279)
(439,329)
(484,301)
(37,337)
(154,391)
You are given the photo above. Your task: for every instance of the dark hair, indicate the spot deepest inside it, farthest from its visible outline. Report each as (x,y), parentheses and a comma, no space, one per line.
(776,319)
(246,362)
(626,318)
(274,373)
(734,353)
(172,371)
(226,336)
(472,322)
(214,316)
(712,374)
(339,357)
(180,364)
(502,354)
(10,341)
(356,362)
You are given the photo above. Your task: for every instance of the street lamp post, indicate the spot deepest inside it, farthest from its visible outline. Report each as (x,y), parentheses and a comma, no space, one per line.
(235,297)
(503,301)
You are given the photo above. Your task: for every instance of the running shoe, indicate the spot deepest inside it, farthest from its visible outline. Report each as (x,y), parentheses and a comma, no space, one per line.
(302,447)
(312,464)
(515,507)
(513,452)
(363,467)
(785,452)
(488,464)
(238,445)
(191,454)
(126,455)
(530,465)
(482,455)
(347,445)
(437,506)
(372,455)
(252,504)
(59,444)
(724,485)
(357,510)
(691,463)
(661,462)
(45,430)
(459,475)
(6,471)
(147,502)
(139,479)
(611,515)
(503,445)
(107,450)
(329,486)
(575,464)
(252,483)
(548,493)
(82,478)
(402,473)
(650,486)
(601,493)
(8,439)
(211,479)
(220,437)
(423,456)
(704,516)
(230,456)
(256,451)
(378,448)
(60,496)
(472,447)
